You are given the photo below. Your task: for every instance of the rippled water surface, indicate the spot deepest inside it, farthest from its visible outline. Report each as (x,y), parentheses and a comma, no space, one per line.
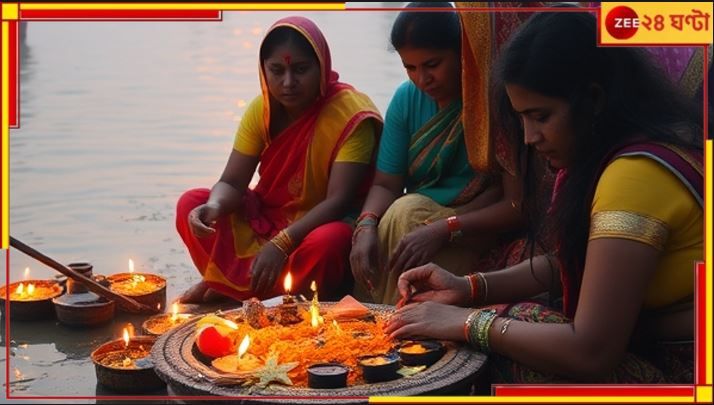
(117,120)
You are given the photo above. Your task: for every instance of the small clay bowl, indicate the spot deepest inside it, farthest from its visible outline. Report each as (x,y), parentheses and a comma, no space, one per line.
(83,309)
(327,375)
(381,367)
(139,378)
(421,352)
(35,309)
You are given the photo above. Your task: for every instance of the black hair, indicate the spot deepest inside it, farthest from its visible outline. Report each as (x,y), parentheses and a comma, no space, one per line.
(555,54)
(285,35)
(427,29)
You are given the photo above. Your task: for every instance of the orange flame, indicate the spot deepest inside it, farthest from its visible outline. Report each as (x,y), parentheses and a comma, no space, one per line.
(27,273)
(243,346)
(174,311)
(288,283)
(30,289)
(20,289)
(125,336)
(313,316)
(313,286)
(131,266)
(339,330)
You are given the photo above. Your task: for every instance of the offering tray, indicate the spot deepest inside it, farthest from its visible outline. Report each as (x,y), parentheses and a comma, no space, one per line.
(178,363)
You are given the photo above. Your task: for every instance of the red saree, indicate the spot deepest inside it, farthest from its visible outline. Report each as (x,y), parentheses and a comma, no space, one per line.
(294,172)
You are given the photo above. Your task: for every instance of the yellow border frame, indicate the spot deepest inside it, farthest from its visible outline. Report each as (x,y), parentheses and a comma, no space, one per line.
(10,11)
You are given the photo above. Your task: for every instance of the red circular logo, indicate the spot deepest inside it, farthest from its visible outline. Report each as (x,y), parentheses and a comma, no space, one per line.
(622,22)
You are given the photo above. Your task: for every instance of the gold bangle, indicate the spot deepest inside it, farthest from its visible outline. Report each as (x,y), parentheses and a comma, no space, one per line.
(280,249)
(284,242)
(504,326)
(467,325)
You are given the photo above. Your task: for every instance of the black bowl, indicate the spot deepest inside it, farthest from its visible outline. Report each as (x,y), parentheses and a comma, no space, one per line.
(327,375)
(432,351)
(381,367)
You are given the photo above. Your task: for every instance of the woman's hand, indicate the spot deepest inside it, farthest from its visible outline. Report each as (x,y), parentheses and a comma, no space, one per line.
(418,247)
(428,319)
(432,283)
(267,266)
(202,218)
(363,257)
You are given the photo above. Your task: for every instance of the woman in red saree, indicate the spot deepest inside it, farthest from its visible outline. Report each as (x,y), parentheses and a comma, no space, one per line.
(314,138)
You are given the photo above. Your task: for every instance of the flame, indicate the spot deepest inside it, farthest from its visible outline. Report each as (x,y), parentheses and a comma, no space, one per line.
(313,317)
(243,346)
(313,287)
(131,266)
(30,289)
(125,336)
(288,283)
(27,273)
(174,312)
(20,289)
(339,330)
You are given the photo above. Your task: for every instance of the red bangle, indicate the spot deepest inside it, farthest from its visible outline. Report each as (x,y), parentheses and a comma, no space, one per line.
(367,214)
(473,285)
(454,226)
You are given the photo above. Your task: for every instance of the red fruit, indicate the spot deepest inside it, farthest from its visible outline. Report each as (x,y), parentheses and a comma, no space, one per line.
(213,344)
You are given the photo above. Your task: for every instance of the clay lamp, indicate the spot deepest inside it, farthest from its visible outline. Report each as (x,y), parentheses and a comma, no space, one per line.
(288,310)
(146,288)
(240,363)
(124,365)
(159,324)
(30,299)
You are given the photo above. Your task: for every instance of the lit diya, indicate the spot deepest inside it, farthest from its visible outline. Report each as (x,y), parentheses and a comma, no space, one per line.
(241,363)
(288,310)
(30,299)
(124,365)
(311,350)
(145,288)
(159,324)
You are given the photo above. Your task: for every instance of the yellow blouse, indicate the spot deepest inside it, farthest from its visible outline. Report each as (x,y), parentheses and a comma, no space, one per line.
(639,199)
(249,139)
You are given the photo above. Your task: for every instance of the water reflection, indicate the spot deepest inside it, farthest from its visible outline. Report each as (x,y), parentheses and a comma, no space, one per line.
(117,120)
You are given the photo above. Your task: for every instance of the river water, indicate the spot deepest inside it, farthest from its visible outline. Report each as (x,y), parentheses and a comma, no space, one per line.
(117,120)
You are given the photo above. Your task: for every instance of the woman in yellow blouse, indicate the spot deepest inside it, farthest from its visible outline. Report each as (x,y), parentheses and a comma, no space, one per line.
(625,224)
(314,138)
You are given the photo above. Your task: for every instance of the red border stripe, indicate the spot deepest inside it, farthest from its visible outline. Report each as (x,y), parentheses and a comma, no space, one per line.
(13,105)
(120,14)
(595,391)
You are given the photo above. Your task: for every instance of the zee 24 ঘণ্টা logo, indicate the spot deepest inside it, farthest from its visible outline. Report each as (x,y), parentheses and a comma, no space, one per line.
(622,22)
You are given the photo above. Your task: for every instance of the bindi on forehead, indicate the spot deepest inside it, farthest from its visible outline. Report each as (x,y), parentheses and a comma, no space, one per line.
(287,58)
